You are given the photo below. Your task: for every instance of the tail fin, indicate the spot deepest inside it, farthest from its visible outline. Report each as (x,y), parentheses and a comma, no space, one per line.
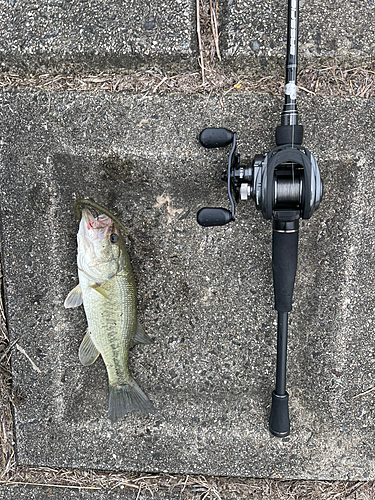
(127,398)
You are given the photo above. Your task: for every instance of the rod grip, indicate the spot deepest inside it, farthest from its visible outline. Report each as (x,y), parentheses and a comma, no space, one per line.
(279,418)
(289,134)
(284,265)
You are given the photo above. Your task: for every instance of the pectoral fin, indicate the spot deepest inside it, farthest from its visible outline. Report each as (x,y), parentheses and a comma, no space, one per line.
(74,298)
(140,336)
(100,290)
(87,353)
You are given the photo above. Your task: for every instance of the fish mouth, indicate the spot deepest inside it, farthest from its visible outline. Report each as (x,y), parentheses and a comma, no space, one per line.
(102,223)
(92,235)
(95,222)
(87,215)
(93,243)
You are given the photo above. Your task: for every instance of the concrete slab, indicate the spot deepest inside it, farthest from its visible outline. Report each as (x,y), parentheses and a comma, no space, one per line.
(38,35)
(334,32)
(205,295)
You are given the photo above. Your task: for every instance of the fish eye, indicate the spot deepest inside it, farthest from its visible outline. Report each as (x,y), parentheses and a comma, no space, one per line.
(114,238)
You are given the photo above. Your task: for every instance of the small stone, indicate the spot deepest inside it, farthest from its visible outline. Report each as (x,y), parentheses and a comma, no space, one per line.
(254,45)
(149,25)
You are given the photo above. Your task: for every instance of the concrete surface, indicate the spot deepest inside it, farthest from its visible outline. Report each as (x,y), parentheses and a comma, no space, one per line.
(205,295)
(31,492)
(93,36)
(331,32)
(97,36)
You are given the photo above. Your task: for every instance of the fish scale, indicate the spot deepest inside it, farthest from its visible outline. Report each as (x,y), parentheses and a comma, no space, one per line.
(112,323)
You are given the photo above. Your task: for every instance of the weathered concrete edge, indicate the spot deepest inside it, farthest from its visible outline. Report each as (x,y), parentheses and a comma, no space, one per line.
(88,64)
(52,492)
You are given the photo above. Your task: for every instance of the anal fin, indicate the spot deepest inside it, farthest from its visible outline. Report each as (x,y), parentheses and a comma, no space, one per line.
(140,336)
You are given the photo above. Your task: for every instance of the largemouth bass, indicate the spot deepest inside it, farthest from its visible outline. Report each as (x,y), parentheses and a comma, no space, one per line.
(107,291)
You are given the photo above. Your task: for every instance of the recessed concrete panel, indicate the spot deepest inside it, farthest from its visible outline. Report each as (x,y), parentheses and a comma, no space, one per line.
(205,295)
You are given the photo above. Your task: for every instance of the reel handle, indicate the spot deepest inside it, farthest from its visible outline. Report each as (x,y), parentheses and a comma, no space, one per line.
(216,137)
(213,216)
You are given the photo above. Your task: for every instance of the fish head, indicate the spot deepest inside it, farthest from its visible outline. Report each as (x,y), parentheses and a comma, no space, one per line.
(101,248)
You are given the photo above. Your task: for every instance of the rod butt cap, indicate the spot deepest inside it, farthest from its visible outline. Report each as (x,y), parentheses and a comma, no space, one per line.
(279,418)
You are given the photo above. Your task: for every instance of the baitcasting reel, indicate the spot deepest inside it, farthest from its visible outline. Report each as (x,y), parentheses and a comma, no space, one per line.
(285,185)
(286,178)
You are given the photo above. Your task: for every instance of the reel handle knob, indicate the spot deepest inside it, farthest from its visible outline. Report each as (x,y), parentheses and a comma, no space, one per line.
(209,216)
(215,137)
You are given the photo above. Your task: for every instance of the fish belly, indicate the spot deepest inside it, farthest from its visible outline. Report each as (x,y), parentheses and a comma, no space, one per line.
(111,318)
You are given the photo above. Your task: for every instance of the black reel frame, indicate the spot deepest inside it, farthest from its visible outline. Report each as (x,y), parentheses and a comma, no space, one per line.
(285,185)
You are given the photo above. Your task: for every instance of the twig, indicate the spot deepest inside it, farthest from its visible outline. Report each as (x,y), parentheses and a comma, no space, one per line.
(145,477)
(306,90)
(363,93)
(217,494)
(3,312)
(8,349)
(355,488)
(215,30)
(8,466)
(326,69)
(124,483)
(232,88)
(364,393)
(158,85)
(185,483)
(206,494)
(3,441)
(361,69)
(200,42)
(5,370)
(28,357)
(53,485)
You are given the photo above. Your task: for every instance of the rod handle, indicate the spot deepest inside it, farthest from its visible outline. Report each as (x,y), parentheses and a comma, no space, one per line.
(279,424)
(289,134)
(284,263)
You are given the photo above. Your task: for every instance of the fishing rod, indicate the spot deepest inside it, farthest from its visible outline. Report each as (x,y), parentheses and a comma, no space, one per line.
(285,185)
